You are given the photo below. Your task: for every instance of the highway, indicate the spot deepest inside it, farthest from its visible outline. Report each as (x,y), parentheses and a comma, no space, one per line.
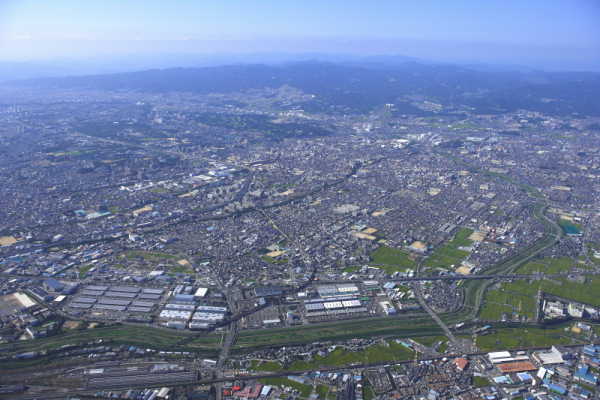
(475,277)
(228,342)
(506,276)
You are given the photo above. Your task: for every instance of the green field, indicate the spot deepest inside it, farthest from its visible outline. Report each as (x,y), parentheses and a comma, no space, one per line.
(429,341)
(368,393)
(159,190)
(267,366)
(480,381)
(391,351)
(272,260)
(372,327)
(153,257)
(392,260)
(475,290)
(83,270)
(181,269)
(163,339)
(141,336)
(548,266)
(511,338)
(449,254)
(383,352)
(592,247)
(519,297)
(303,389)
(325,392)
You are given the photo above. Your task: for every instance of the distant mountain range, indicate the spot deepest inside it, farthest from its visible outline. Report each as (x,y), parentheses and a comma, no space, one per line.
(363,85)
(21,70)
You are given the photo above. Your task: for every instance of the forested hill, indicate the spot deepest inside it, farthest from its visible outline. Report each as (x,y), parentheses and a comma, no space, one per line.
(359,88)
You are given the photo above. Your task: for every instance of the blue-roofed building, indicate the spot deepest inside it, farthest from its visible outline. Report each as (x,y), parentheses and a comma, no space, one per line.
(524,377)
(594,362)
(432,395)
(502,380)
(268,291)
(187,298)
(578,393)
(591,350)
(53,285)
(296,378)
(556,388)
(583,374)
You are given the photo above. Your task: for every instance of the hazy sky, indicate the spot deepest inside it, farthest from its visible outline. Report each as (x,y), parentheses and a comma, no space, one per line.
(510,31)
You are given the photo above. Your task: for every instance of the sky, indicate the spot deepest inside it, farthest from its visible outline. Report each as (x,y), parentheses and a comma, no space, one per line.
(556,32)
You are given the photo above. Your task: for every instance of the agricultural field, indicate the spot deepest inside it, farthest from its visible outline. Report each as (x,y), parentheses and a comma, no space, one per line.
(392,260)
(449,254)
(387,351)
(511,338)
(518,299)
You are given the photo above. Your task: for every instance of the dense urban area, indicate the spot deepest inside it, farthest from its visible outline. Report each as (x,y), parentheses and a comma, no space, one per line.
(277,242)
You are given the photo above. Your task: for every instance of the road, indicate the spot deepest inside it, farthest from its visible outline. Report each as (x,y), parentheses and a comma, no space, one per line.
(475,277)
(434,316)
(60,393)
(552,236)
(502,270)
(423,303)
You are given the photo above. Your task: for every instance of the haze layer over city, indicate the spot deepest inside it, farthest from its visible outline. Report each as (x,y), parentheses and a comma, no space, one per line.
(284,200)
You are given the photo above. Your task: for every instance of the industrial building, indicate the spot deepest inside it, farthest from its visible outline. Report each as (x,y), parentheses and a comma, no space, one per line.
(387,308)
(268,291)
(549,357)
(116,301)
(323,309)
(346,289)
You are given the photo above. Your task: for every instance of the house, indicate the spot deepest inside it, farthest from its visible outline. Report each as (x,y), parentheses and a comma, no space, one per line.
(461,363)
